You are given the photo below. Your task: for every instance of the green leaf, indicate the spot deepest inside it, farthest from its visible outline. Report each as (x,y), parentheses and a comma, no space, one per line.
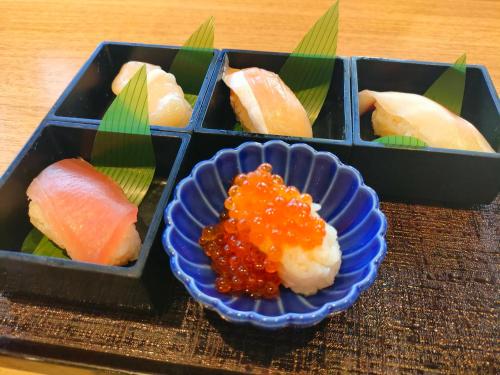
(31,241)
(448,89)
(191,62)
(401,141)
(238,127)
(308,70)
(38,244)
(191,98)
(123,148)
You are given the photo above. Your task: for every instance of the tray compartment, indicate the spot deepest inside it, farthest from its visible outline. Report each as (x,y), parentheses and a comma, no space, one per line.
(89,95)
(332,128)
(430,175)
(61,279)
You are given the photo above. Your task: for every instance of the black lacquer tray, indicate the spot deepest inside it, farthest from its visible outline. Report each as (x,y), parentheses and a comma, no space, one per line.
(431,309)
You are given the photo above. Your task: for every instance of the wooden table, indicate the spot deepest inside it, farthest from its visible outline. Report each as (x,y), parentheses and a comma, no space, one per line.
(42,46)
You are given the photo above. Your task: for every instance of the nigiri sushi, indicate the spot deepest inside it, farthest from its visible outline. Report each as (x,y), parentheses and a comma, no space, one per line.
(84,212)
(264,104)
(166,102)
(270,234)
(398,113)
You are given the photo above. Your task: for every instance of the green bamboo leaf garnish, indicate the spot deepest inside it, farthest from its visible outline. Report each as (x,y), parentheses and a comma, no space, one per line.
(122,149)
(448,89)
(401,141)
(238,127)
(37,243)
(309,68)
(191,63)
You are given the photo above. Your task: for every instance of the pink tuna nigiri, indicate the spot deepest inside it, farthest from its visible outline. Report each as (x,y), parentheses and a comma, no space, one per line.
(85,212)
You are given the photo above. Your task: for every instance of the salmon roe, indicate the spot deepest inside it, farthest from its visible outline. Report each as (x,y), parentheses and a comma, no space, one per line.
(271,215)
(262,216)
(241,267)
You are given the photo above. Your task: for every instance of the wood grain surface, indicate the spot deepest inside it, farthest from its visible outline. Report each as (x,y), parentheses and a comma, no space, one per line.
(44,43)
(432,309)
(434,306)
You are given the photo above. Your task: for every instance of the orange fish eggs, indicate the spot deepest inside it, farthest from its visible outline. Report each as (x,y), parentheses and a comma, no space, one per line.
(240,266)
(266,211)
(262,216)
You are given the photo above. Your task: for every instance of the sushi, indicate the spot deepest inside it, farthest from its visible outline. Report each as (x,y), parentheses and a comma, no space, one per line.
(84,212)
(270,234)
(398,113)
(166,102)
(264,104)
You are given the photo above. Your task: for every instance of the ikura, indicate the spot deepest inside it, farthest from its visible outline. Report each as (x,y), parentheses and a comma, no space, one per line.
(270,215)
(262,216)
(241,267)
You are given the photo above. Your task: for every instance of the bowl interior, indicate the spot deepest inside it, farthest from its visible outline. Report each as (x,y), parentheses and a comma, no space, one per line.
(347,204)
(478,106)
(54,143)
(331,122)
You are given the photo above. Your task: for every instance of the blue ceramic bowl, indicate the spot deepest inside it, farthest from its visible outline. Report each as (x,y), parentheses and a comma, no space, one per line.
(347,204)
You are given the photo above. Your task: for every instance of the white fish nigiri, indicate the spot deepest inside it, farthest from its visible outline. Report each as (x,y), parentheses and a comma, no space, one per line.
(166,102)
(398,113)
(264,104)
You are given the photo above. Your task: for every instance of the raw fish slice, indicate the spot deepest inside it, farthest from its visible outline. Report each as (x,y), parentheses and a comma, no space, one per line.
(126,73)
(264,104)
(84,212)
(166,103)
(398,113)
